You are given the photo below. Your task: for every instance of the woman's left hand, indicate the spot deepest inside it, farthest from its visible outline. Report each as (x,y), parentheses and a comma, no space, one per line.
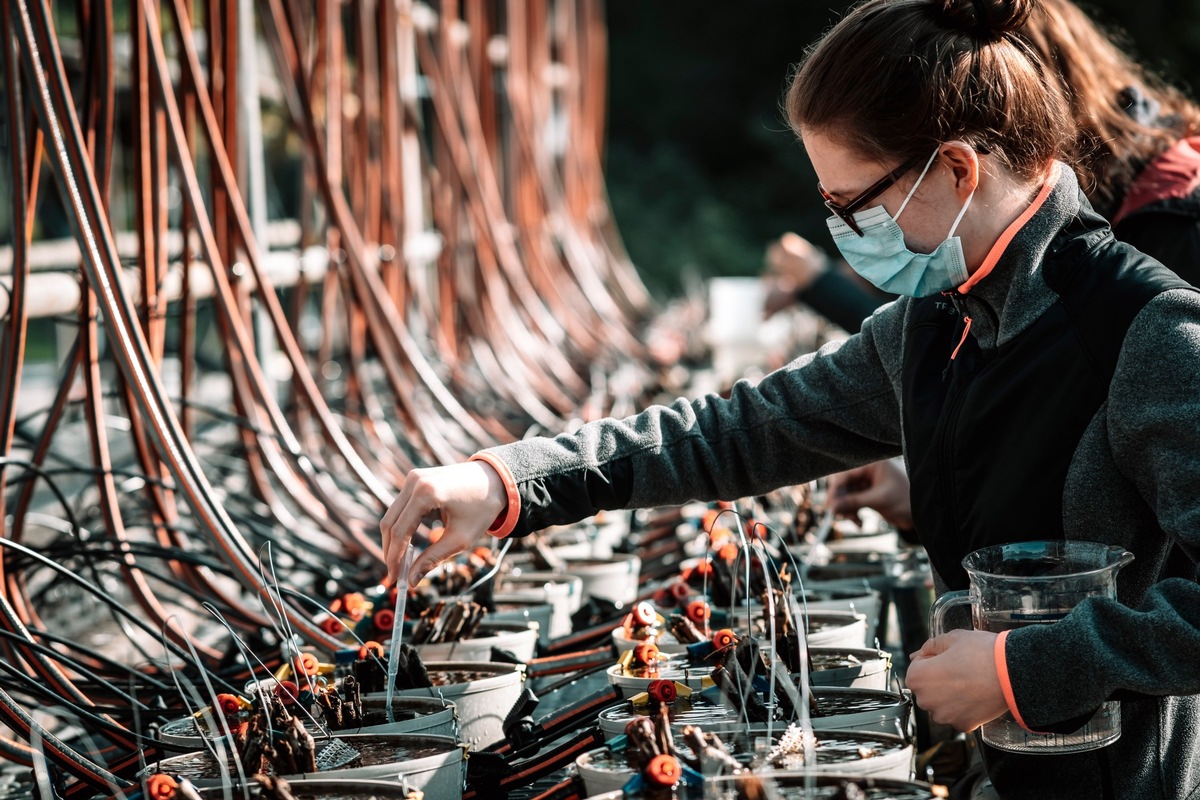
(953,677)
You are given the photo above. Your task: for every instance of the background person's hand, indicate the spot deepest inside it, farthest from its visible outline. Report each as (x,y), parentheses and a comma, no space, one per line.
(882,486)
(466,497)
(793,265)
(953,677)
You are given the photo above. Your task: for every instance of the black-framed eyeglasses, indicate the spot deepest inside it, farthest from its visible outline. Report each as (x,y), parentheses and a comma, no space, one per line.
(846,212)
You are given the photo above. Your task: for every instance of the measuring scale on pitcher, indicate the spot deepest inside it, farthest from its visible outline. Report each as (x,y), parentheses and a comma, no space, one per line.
(1037,583)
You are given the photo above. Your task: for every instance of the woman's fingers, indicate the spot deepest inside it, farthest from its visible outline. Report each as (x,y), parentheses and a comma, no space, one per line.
(416,500)
(467,497)
(453,541)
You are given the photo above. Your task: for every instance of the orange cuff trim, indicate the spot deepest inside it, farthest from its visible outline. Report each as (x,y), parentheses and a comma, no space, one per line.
(507,521)
(1002,243)
(1005,683)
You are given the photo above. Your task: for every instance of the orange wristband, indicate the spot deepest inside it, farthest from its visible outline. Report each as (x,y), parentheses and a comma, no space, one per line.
(1005,684)
(507,521)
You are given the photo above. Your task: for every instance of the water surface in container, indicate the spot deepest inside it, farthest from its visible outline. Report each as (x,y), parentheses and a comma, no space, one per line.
(372,751)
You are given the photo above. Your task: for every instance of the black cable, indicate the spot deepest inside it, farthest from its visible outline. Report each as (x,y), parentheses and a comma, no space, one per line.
(42,691)
(116,607)
(62,658)
(57,638)
(36,469)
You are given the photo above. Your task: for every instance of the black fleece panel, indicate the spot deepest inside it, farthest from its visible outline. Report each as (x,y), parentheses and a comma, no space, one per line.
(1025,404)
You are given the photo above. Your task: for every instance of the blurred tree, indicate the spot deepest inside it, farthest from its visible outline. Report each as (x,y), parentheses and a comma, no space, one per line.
(702,168)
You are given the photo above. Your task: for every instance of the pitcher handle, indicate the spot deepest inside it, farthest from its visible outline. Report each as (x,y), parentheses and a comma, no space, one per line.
(937,614)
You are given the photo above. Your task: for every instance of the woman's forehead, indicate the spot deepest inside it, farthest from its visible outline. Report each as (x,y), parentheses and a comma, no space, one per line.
(842,170)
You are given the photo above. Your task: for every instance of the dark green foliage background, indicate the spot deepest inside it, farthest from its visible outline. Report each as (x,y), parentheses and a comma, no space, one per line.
(701,167)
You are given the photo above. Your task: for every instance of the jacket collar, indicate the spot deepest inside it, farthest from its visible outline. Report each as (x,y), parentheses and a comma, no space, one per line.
(1013,293)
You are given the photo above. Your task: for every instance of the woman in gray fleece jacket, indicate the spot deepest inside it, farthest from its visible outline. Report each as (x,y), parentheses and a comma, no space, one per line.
(1040,379)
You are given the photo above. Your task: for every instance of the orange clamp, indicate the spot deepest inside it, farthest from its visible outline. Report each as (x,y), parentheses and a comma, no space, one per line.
(287,691)
(680,591)
(160,787)
(663,770)
(662,691)
(305,664)
(355,604)
(646,653)
(229,704)
(644,614)
(724,638)
(384,619)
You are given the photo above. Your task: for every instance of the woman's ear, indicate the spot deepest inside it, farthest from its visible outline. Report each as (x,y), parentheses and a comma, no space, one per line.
(963,162)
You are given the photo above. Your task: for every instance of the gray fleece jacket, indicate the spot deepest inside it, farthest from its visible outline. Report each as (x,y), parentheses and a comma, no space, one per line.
(1134,480)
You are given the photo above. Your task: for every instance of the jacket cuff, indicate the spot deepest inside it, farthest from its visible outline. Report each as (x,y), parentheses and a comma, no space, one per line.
(507,520)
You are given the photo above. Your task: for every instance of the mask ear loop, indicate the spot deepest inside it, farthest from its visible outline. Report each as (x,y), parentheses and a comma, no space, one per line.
(920,178)
(961,214)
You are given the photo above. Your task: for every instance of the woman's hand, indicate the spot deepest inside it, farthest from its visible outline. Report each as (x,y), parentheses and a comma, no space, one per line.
(466,497)
(953,677)
(882,486)
(793,264)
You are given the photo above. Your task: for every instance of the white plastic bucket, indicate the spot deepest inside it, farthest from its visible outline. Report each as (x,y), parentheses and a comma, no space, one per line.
(564,592)
(526,611)
(614,579)
(521,642)
(873,671)
(433,717)
(440,774)
(889,712)
(482,703)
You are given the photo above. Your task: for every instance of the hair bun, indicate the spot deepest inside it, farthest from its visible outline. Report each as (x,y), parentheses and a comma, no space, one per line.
(988,20)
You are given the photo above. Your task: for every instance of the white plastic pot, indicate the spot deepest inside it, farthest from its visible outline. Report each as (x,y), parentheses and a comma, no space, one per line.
(891,712)
(437,718)
(873,671)
(321,789)
(843,629)
(521,641)
(526,611)
(792,787)
(614,579)
(433,717)
(598,779)
(482,703)
(692,677)
(888,712)
(441,774)
(893,759)
(564,592)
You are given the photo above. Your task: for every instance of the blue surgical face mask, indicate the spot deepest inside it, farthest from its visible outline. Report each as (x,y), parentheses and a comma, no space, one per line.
(881,256)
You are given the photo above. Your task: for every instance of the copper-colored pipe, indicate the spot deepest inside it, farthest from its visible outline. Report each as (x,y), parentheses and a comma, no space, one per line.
(328,505)
(392,339)
(78,187)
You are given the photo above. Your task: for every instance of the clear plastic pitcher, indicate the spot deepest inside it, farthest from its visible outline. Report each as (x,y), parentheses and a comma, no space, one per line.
(1037,583)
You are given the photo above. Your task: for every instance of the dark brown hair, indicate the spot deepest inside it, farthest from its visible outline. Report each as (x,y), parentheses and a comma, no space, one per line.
(896,77)
(1111,146)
